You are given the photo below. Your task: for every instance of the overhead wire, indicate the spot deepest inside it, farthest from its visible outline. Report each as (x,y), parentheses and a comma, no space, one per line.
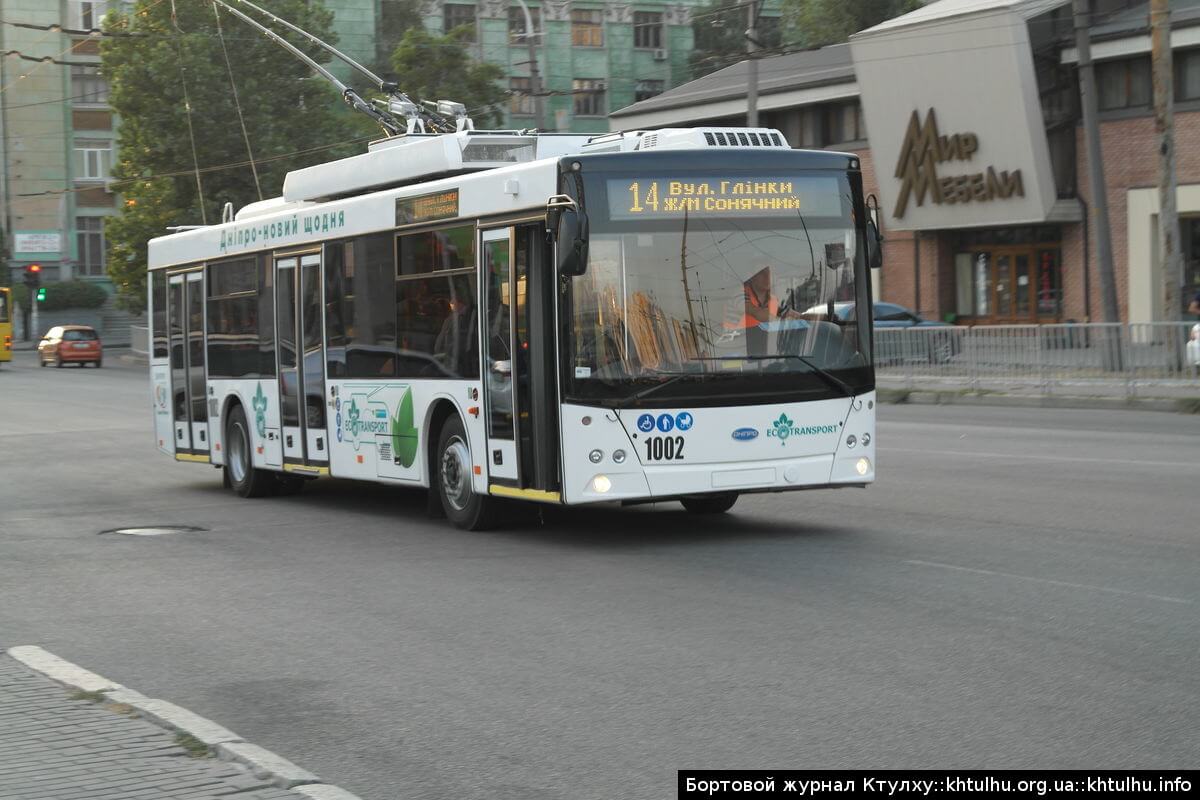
(237,103)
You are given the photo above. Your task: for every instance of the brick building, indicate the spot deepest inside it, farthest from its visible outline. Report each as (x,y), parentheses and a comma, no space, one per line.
(976,150)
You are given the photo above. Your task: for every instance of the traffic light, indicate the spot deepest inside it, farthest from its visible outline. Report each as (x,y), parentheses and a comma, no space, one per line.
(41,294)
(33,276)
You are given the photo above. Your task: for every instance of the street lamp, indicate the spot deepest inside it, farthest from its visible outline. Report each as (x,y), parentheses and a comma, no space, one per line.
(535,83)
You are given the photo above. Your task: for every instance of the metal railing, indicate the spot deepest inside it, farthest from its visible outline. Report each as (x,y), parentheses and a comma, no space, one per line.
(1153,359)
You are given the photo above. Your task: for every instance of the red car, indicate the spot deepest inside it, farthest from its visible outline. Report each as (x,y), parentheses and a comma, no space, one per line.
(64,344)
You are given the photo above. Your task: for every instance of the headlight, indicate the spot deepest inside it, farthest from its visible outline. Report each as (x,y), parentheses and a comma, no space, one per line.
(619,456)
(601,484)
(851,440)
(866,439)
(863,466)
(595,456)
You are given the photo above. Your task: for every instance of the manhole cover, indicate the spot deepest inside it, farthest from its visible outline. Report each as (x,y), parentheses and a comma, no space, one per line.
(155,530)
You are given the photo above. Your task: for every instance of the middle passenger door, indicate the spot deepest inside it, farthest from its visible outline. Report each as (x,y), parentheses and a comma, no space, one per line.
(300,335)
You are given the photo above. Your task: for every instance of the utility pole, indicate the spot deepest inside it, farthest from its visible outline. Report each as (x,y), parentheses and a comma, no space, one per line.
(535,78)
(1164,125)
(752,64)
(1091,130)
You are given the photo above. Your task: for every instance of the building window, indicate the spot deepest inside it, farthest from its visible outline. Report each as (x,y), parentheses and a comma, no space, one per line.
(1187,75)
(587,28)
(647,30)
(516,24)
(88,85)
(90,239)
(1124,83)
(520,96)
(456,15)
(85,15)
(93,159)
(589,97)
(843,123)
(644,90)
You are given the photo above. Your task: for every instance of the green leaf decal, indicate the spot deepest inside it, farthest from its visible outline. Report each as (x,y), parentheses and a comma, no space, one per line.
(404,433)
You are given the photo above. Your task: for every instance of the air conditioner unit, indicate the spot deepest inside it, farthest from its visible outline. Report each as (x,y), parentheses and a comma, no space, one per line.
(660,55)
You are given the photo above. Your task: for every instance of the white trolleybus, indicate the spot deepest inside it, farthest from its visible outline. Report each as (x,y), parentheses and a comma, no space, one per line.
(637,317)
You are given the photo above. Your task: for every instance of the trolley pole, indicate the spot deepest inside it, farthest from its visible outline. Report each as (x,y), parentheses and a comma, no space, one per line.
(535,78)
(1091,129)
(1164,126)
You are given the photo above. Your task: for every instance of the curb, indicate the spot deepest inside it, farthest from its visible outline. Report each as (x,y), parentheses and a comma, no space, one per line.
(227,744)
(930,398)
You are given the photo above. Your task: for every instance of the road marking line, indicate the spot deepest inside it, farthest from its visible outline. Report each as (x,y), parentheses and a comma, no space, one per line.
(1050,581)
(1023,456)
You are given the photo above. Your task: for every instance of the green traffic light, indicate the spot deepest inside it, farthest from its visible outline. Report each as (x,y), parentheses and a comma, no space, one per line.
(41,295)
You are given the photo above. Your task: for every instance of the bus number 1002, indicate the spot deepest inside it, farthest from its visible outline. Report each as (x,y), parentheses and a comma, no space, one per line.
(664,448)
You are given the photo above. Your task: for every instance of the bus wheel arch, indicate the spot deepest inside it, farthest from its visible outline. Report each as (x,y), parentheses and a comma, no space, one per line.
(450,467)
(243,477)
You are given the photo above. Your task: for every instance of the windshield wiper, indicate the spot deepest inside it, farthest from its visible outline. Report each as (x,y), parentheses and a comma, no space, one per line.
(652,389)
(820,372)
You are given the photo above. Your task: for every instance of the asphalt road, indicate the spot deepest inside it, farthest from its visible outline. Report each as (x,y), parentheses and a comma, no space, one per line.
(1021,588)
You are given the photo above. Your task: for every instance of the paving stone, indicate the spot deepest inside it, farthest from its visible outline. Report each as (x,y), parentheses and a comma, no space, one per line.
(56,748)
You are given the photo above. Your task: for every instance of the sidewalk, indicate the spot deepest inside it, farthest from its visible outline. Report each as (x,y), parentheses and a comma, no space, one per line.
(59,744)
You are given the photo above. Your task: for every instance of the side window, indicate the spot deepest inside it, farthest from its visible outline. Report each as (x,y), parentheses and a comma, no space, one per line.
(436,311)
(360,313)
(233,318)
(158,306)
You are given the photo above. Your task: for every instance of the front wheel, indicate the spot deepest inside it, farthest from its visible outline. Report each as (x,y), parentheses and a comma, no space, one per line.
(709,503)
(452,475)
(240,472)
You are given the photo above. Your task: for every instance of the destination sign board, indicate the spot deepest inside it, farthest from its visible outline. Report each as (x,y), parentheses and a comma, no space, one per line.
(427,207)
(724,196)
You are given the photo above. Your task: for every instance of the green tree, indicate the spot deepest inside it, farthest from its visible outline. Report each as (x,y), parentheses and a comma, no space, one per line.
(433,67)
(816,23)
(719,33)
(396,17)
(292,118)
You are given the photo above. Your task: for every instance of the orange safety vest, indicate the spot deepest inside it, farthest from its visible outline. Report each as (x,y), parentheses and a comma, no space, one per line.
(750,321)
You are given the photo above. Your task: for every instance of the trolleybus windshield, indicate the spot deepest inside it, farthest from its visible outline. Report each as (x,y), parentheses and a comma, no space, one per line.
(721,284)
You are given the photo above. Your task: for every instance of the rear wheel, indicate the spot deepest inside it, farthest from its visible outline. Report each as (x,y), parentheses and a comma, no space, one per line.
(453,473)
(240,472)
(709,503)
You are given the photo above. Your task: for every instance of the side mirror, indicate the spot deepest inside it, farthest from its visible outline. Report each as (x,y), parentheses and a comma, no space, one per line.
(874,245)
(571,235)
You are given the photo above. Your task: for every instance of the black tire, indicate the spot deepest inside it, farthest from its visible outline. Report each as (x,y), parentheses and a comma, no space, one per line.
(709,503)
(451,477)
(240,472)
(58,362)
(41,360)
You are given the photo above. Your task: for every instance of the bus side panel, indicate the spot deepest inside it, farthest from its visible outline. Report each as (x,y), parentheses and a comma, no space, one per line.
(160,397)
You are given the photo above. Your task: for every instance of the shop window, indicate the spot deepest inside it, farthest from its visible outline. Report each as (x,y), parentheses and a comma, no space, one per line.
(1124,83)
(1190,227)
(647,30)
(587,28)
(516,24)
(457,15)
(360,312)
(437,316)
(644,90)
(1187,75)
(589,97)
